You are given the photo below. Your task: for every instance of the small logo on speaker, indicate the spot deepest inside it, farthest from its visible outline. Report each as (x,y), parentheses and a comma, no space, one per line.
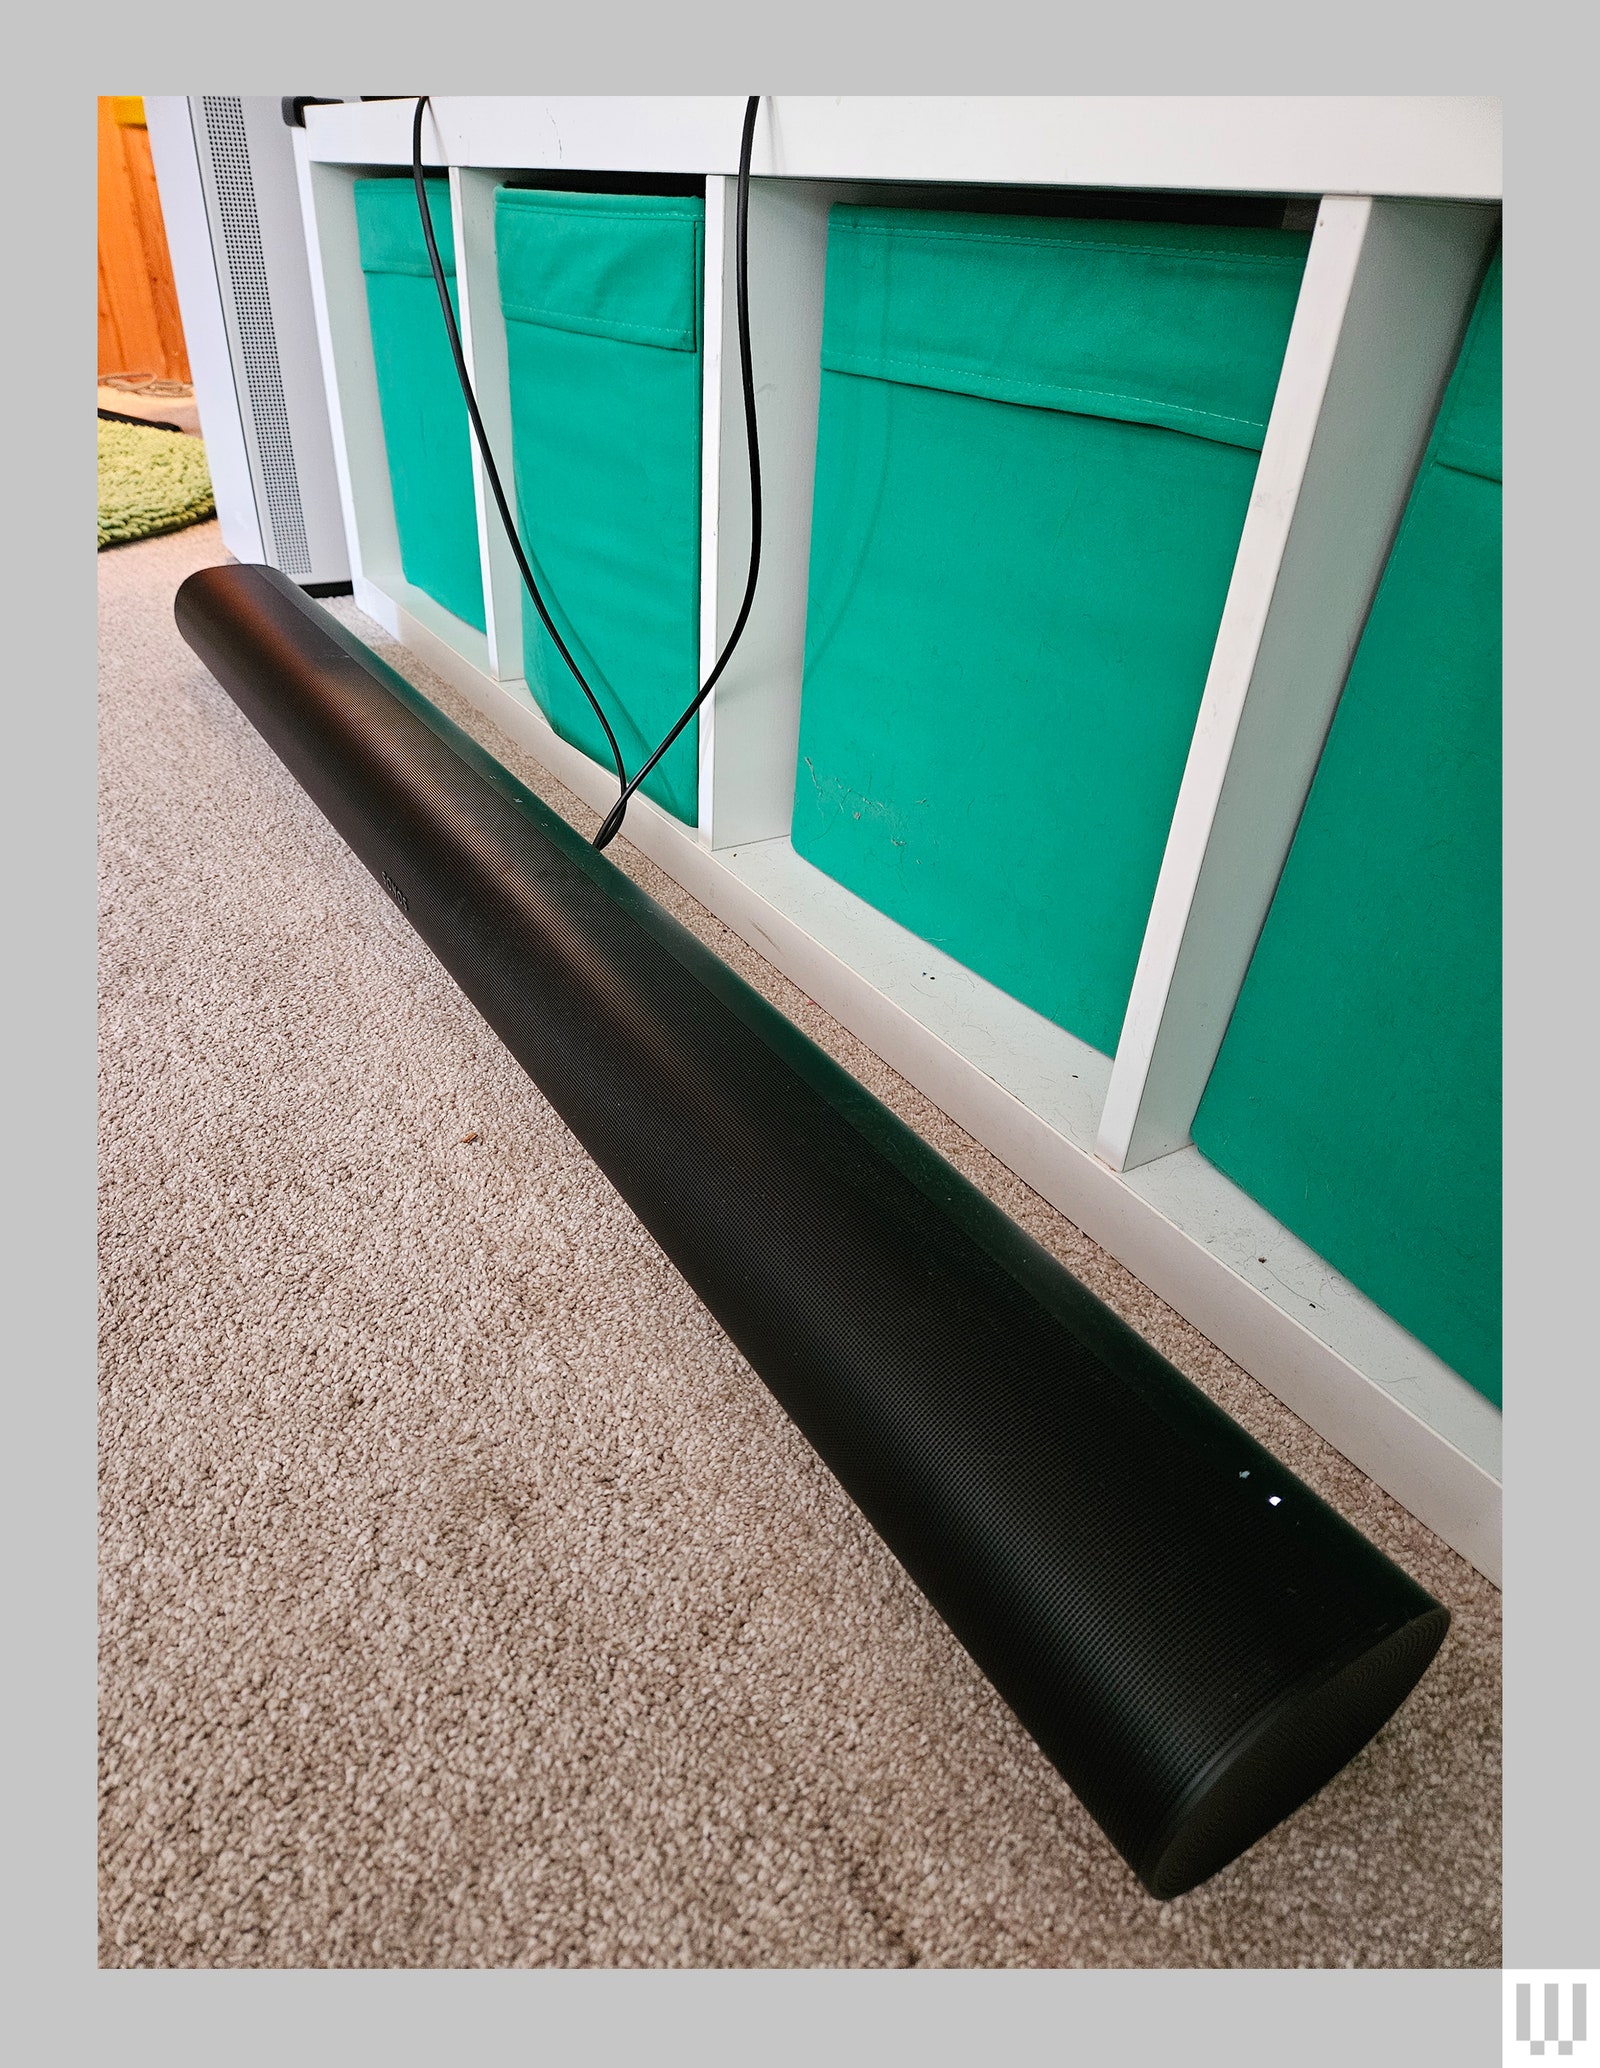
(396,892)
(1548,2018)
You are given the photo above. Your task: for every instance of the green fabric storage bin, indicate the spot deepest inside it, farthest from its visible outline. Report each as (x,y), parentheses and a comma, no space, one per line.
(1357,1093)
(1036,445)
(425,431)
(602,299)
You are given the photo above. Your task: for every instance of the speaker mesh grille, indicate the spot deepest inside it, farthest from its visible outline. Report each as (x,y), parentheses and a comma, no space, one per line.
(258,338)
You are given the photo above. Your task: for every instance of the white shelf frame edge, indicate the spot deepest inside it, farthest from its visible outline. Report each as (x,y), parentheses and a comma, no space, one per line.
(1442,146)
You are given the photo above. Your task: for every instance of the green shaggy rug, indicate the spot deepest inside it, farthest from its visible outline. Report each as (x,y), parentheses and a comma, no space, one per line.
(150,481)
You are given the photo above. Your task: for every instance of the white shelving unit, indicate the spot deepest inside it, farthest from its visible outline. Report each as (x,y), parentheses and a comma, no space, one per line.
(1406,192)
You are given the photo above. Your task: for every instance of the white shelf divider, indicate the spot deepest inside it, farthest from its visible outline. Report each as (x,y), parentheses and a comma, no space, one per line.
(344,340)
(1387,291)
(483,346)
(716,497)
(750,725)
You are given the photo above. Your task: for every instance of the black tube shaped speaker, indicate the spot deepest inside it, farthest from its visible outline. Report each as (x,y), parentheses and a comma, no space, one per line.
(1195,1640)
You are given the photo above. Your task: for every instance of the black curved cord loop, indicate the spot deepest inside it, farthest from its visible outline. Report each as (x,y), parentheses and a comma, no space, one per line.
(612,823)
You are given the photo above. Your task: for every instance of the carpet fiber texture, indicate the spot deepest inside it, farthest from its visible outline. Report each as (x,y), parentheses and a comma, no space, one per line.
(150,481)
(467,1600)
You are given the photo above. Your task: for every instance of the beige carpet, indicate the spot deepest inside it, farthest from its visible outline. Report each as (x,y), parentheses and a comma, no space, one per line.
(467,1600)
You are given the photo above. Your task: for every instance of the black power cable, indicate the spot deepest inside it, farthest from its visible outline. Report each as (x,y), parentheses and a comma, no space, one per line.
(489,467)
(741,260)
(612,823)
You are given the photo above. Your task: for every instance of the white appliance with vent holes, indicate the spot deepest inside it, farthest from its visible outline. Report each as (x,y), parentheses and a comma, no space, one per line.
(225,168)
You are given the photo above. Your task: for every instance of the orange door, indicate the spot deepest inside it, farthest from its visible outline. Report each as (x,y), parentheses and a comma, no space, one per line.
(140,330)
